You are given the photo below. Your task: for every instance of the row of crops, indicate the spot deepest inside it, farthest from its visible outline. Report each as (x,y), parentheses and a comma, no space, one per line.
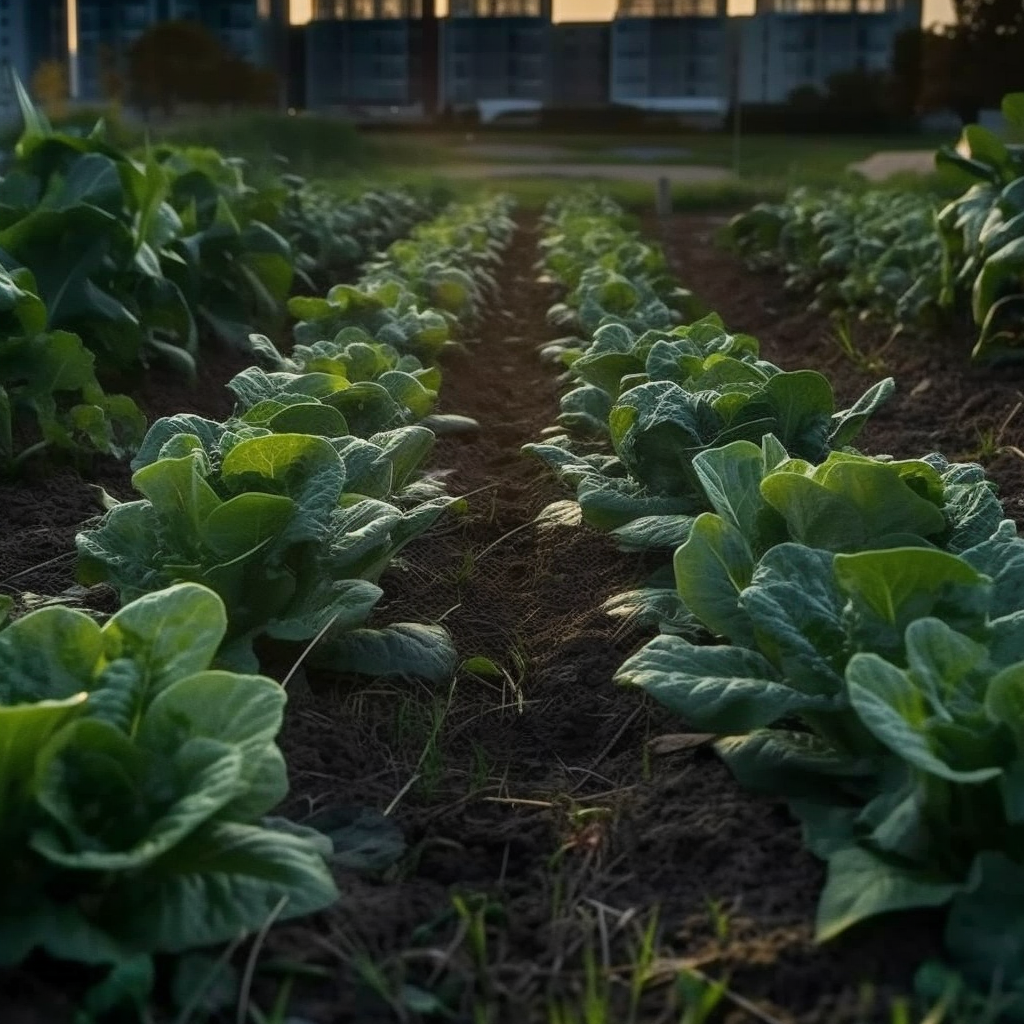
(110,262)
(900,257)
(848,627)
(138,758)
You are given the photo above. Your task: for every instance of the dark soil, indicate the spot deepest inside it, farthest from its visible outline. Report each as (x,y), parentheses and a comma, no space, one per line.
(534,797)
(44,508)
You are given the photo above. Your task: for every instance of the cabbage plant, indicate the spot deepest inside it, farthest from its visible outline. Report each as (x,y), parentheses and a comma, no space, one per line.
(135,782)
(292,530)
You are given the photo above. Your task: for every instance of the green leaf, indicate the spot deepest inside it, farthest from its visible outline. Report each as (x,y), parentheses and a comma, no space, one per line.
(170,634)
(103,812)
(241,710)
(731,477)
(49,654)
(246,522)
(25,729)
(223,881)
(363,840)
(986,146)
(712,569)
(898,714)
(791,765)
(985,927)
(180,494)
(848,423)
(717,689)
(889,589)
(796,612)
(1013,109)
(404,649)
(861,885)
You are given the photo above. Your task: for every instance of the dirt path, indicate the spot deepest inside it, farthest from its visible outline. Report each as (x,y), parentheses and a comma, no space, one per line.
(539,797)
(881,166)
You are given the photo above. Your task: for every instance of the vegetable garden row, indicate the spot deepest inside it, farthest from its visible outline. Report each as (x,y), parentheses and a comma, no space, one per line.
(139,756)
(846,627)
(872,669)
(897,258)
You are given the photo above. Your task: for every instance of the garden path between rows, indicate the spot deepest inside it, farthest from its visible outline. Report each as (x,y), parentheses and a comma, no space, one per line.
(541,791)
(562,808)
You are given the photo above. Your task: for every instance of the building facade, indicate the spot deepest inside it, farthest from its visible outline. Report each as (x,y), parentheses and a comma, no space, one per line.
(671,56)
(792,44)
(580,65)
(366,57)
(496,57)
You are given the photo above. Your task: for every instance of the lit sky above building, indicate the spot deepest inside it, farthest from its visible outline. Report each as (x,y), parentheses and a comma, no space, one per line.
(598,10)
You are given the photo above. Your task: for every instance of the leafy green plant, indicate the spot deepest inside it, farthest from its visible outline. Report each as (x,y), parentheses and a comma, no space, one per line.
(135,785)
(875,691)
(233,267)
(762,498)
(611,275)
(983,234)
(112,291)
(894,254)
(329,234)
(875,251)
(49,377)
(412,296)
(657,429)
(292,530)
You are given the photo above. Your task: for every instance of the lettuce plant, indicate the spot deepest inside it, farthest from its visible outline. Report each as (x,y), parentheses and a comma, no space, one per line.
(983,234)
(291,530)
(233,267)
(135,781)
(847,503)
(878,693)
(330,234)
(412,296)
(611,275)
(873,251)
(113,291)
(659,427)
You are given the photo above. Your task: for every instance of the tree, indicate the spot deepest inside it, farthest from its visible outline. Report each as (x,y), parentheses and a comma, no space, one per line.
(50,87)
(112,83)
(987,51)
(908,55)
(178,62)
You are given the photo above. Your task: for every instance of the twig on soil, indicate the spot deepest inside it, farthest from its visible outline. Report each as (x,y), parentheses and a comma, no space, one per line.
(305,652)
(444,615)
(42,565)
(610,746)
(505,536)
(401,793)
(522,801)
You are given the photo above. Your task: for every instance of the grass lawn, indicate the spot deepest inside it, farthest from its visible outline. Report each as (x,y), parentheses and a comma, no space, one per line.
(763,156)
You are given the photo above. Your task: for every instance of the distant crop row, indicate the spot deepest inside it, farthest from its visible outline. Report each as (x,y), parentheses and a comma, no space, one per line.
(109,260)
(851,628)
(897,257)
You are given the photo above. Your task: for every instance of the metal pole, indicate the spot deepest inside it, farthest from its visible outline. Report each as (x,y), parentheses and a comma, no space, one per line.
(664,198)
